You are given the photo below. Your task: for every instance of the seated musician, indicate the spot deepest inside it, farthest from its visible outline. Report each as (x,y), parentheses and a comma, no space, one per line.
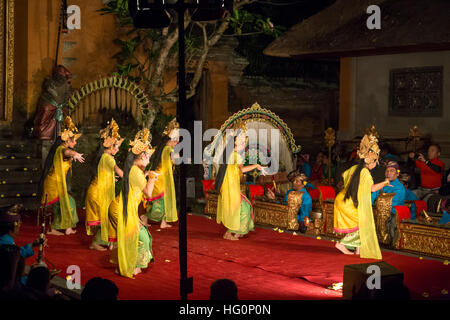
(404,178)
(10,223)
(395,186)
(431,171)
(445,212)
(299,181)
(392,173)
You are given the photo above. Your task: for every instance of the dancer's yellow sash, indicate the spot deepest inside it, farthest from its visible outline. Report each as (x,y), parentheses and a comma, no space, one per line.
(229,202)
(106,186)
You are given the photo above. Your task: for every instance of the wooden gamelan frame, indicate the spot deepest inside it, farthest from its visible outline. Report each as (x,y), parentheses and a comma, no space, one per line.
(7,60)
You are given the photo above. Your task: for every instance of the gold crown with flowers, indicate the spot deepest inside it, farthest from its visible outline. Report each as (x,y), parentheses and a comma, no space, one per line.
(70,130)
(240,127)
(110,135)
(368,148)
(172,130)
(141,142)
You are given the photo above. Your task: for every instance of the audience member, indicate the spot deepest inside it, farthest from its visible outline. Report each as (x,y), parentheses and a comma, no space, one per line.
(100,289)
(9,265)
(386,153)
(317,168)
(223,289)
(38,283)
(303,164)
(431,171)
(444,190)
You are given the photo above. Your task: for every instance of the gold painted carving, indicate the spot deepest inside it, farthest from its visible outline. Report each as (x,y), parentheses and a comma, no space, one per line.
(426,239)
(7,60)
(381,214)
(294,203)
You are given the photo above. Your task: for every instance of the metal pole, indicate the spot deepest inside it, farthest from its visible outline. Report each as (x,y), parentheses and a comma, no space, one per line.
(181,105)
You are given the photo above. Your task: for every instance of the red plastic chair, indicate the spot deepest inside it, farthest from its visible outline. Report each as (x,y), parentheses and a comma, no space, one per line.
(207,185)
(255,191)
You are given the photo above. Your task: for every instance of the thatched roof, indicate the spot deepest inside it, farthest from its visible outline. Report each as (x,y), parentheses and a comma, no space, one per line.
(340,30)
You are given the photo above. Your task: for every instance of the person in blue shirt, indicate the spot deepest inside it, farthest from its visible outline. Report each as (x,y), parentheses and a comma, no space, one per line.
(386,153)
(445,219)
(392,172)
(395,186)
(298,180)
(303,165)
(404,178)
(9,229)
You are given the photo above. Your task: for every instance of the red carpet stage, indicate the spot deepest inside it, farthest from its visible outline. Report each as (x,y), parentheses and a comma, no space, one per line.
(267,265)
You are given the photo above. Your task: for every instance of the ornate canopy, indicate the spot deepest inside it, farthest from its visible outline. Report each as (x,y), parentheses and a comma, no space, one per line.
(257,117)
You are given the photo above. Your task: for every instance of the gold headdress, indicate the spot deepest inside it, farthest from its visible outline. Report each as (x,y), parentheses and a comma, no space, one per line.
(141,142)
(172,130)
(110,135)
(239,124)
(70,130)
(368,149)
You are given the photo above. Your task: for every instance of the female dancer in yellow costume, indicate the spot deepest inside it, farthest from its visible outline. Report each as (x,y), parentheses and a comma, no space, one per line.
(101,191)
(53,184)
(234,210)
(353,206)
(163,199)
(134,242)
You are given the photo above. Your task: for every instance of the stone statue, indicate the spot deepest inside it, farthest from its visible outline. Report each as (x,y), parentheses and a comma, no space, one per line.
(51,109)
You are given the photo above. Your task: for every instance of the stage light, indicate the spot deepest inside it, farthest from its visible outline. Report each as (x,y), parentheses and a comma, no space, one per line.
(208,10)
(148,14)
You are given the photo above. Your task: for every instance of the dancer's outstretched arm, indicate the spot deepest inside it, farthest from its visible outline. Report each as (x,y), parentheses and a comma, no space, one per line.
(250,168)
(73,154)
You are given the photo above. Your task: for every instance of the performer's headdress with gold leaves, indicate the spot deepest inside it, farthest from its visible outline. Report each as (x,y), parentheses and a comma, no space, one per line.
(173,130)
(295,174)
(368,149)
(110,135)
(10,214)
(141,142)
(70,130)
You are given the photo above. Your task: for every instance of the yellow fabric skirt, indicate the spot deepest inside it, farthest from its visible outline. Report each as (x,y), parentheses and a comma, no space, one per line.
(346,218)
(92,207)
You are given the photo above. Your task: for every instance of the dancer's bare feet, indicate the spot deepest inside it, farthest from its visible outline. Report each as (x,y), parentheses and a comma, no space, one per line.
(357,251)
(55,232)
(70,231)
(229,236)
(342,248)
(137,271)
(164,224)
(98,247)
